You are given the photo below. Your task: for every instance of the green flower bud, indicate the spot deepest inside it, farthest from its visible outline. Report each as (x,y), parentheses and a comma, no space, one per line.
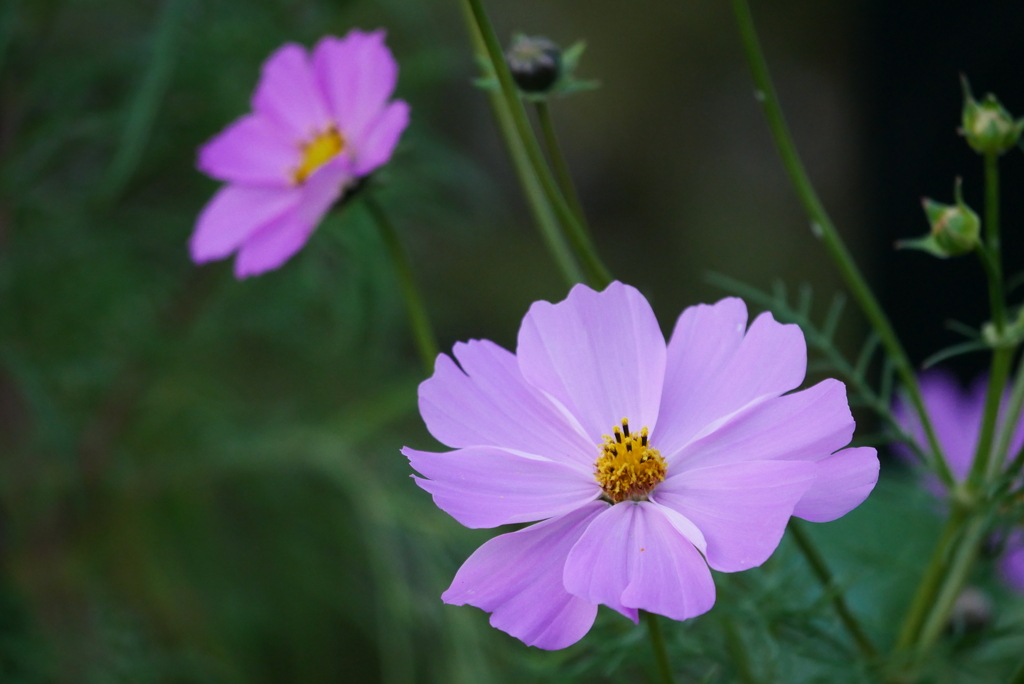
(535,63)
(956,229)
(988,127)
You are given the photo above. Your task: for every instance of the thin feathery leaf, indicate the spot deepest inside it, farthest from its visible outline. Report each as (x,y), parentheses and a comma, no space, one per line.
(953,351)
(962,328)
(867,352)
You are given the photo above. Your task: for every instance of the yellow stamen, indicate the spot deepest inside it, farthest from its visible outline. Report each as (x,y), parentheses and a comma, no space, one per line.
(628,468)
(324,147)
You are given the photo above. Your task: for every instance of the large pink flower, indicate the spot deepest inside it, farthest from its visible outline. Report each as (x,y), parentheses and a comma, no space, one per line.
(646,463)
(317,125)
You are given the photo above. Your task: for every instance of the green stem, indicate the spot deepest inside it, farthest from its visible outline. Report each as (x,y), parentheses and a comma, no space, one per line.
(993,274)
(558,163)
(422,332)
(543,214)
(578,235)
(824,575)
(738,653)
(1010,422)
(944,579)
(964,555)
(1018,676)
(658,644)
(1001,360)
(1015,468)
(993,239)
(930,583)
(822,226)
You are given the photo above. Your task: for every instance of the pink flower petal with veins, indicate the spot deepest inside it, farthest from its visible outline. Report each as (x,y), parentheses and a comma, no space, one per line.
(318,124)
(623,524)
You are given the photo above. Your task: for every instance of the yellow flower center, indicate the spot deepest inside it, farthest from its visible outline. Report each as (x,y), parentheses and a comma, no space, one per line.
(628,468)
(320,150)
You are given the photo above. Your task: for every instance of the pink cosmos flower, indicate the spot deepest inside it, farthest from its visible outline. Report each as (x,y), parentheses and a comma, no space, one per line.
(957,414)
(318,124)
(645,462)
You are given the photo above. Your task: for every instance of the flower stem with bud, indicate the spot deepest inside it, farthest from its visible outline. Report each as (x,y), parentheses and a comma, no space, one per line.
(536,198)
(824,227)
(575,231)
(1003,354)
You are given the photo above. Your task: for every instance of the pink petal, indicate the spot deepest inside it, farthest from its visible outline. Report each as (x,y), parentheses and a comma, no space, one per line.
(741,508)
(288,93)
(379,142)
(807,425)
(600,354)
(251,151)
(843,481)
(235,213)
(358,74)
(631,557)
(517,577)
(956,418)
(487,487)
(711,374)
(1011,565)
(488,402)
(276,242)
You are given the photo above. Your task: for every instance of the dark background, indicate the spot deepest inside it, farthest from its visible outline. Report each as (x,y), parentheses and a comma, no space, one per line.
(914,51)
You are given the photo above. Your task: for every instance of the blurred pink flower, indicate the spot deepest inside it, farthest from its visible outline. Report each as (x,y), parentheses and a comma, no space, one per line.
(957,414)
(646,462)
(318,124)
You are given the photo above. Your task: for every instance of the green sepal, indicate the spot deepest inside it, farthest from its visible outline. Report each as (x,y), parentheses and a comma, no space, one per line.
(956,229)
(928,243)
(567,83)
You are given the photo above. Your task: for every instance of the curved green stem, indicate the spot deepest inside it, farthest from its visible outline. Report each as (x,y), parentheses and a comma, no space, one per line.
(822,226)
(931,582)
(536,198)
(948,571)
(558,163)
(422,331)
(960,566)
(658,645)
(577,232)
(824,575)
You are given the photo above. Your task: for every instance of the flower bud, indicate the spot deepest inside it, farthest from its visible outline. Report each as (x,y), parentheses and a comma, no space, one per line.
(988,127)
(956,229)
(535,63)
(972,611)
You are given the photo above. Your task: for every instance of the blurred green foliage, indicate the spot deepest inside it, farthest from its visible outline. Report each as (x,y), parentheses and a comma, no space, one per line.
(200,478)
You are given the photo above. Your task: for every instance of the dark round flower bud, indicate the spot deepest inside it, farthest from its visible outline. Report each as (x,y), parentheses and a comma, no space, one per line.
(535,63)
(988,127)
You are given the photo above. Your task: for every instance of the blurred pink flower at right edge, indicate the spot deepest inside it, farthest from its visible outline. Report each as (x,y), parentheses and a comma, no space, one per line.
(957,414)
(319,124)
